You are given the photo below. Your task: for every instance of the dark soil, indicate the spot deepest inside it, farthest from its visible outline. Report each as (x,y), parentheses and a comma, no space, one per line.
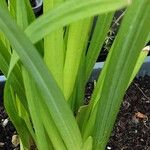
(33,3)
(7,130)
(132,128)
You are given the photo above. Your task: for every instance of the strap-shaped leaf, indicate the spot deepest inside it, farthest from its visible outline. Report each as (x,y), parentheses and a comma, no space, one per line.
(78,34)
(15,78)
(119,68)
(43,123)
(139,62)
(68,12)
(4,58)
(99,34)
(51,94)
(34,109)
(20,11)
(15,118)
(54,46)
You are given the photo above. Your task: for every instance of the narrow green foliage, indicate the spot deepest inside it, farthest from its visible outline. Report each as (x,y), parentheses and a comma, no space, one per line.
(88,144)
(48,61)
(54,48)
(76,45)
(15,78)
(139,62)
(51,94)
(33,103)
(20,13)
(100,32)
(119,71)
(69,12)
(16,119)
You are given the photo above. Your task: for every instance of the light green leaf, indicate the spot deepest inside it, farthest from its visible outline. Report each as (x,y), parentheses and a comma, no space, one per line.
(88,144)
(51,94)
(19,10)
(119,65)
(99,34)
(54,47)
(15,78)
(139,62)
(18,122)
(70,11)
(78,35)
(34,108)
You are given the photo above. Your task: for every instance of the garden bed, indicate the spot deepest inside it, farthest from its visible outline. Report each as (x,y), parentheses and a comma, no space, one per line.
(132,128)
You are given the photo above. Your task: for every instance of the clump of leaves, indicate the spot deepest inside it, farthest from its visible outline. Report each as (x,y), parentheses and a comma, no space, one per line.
(48,61)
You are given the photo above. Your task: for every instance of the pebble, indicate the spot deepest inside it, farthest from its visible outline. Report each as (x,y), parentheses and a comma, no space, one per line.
(2,144)
(135,120)
(5,122)
(136,131)
(15,140)
(108,147)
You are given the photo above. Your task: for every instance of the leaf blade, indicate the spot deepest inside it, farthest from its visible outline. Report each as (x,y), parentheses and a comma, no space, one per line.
(50,92)
(73,10)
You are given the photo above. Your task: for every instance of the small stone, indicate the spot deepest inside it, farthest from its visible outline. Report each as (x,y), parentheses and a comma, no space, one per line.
(2,144)
(108,147)
(5,122)
(140,115)
(147,101)
(15,140)
(135,120)
(89,97)
(143,98)
(141,140)
(135,131)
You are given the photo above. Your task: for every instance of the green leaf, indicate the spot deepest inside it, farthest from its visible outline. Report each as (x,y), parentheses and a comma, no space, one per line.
(88,144)
(148,39)
(4,58)
(76,46)
(81,115)
(80,85)
(68,12)
(34,108)
(16,83)
(51,94)
(54,47)
(139,62)
(43,124)
(15,78)
(3,3)
(119,67)
(50,128)
(18,122)
(100,32)
(19,10)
